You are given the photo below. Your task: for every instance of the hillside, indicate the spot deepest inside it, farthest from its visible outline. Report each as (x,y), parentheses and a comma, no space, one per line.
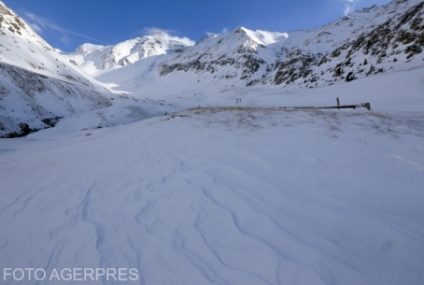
(250,194)
(222,162)
(47,84)
(37,84)
(375,40)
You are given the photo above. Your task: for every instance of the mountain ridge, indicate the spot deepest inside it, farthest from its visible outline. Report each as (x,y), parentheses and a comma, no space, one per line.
(97,59)
(37,83)
(301,59)
(370,41)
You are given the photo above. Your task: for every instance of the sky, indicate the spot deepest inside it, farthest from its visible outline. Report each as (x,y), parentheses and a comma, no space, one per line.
(66,24)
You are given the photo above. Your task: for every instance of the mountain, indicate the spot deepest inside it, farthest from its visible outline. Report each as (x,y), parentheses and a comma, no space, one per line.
(228,59)
(370,41)
(244,49)
(97,59)
(37,84)
(379,39)
(253,194)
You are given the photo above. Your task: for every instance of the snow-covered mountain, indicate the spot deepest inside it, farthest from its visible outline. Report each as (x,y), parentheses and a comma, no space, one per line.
(243,49)
(369,41)
(36,82)
(249,195)
(97,59)
(180,185)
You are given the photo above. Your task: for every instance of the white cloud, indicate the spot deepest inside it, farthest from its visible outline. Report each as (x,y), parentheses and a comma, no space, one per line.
(349,6)
(213,35)
(155,30)
(40,25)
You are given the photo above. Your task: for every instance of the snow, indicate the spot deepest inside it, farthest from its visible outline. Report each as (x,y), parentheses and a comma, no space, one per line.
(244,57)
(264,37)
(249,194)
(20,46)
(36,82)
(174,178)
(329,37)
(393,91)
(97,59)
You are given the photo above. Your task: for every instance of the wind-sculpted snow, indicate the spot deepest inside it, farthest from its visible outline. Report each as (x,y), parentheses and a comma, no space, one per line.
(176,181)
(223,196)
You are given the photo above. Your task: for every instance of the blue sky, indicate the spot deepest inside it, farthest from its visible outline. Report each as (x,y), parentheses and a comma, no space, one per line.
(68,23)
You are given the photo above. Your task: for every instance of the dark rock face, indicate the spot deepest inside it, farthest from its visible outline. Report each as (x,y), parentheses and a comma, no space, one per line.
(299,66)
(408,30)
(350,77)
(248,63)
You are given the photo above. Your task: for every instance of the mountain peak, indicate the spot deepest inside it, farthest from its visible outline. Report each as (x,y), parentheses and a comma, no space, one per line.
(96,59)
(241,30)
(159,33)
(36,82)
(261,37)
(12,23)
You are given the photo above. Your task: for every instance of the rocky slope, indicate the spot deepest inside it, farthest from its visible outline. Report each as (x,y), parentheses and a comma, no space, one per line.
(370,41)
(37,84)
(241,50)
(396,43)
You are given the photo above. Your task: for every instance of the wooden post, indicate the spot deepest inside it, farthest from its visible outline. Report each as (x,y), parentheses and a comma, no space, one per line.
(338,103)
(368,106)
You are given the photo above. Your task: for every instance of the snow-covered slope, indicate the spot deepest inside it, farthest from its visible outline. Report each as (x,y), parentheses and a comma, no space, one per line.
(370,41)
(220,60)
(36,82)
(228,195)
(97,59)
(202,191)
(374,40)
(239,53)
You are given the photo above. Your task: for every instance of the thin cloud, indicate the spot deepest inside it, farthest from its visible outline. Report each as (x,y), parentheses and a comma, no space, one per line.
(213,35)
(36,28)
(155,30)
(349,6)
(40,25)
